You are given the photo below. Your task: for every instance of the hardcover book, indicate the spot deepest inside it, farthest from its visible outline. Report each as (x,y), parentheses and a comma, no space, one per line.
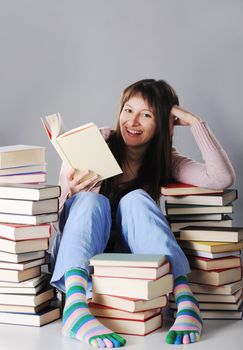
(224,198)
(18,232)
(40,319)
(134,288)
(215,277)
(129,304)
(132,327)
(20,155)
(82,148)
(213,234)
(34,192)
(181,189)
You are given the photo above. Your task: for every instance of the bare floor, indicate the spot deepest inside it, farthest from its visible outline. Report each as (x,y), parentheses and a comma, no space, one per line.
(223,335)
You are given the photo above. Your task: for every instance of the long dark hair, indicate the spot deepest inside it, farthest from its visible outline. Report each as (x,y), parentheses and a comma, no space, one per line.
(156,165)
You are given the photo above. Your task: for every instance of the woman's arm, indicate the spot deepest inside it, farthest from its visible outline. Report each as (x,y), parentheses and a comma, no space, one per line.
(216,172)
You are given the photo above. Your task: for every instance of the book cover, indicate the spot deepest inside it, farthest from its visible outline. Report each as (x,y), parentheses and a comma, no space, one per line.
(33,192)
(129,304)
(181,189)
(82,148)
(19,232)
(20,155)
(117,259)
(212,233)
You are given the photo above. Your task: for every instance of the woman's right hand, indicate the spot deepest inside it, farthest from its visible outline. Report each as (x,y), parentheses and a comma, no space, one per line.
(77,182)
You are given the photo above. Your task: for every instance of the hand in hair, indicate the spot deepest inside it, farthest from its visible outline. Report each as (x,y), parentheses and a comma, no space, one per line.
(180,116)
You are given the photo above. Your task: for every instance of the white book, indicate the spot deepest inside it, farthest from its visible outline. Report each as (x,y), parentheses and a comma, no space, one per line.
(82,148)
(28,300)
(20,155)
(28,219)
(41,318)
(23,178)
(33,168)
(32,282)
(21,266)
(28,207)
(18,232)
(204,254)
(33,192)
(18,258)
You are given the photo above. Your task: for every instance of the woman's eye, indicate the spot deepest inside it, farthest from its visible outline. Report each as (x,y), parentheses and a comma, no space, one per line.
(128,110)
(147,115)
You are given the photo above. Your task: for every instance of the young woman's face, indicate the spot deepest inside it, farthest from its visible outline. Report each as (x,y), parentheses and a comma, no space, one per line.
(137,122)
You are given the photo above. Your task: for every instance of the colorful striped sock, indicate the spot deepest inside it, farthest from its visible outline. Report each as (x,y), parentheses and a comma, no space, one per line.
(188,324)
(77,320)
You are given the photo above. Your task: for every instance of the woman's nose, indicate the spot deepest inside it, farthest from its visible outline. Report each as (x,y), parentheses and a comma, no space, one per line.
(135,120)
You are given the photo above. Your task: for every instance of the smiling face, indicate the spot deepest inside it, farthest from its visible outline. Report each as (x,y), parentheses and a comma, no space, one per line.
(137,122)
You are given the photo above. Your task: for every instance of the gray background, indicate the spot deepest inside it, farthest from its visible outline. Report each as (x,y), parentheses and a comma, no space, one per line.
(75,57)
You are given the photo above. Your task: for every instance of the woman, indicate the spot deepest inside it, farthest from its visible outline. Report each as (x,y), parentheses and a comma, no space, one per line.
(142,144)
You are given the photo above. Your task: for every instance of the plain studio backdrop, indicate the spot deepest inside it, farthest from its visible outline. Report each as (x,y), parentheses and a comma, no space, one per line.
(76,56)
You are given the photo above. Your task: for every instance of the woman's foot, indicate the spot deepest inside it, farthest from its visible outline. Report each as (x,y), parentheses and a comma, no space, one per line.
(78,322)
(188,324)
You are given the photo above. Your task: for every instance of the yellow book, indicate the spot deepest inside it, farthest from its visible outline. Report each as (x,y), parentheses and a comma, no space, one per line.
(212,247)
(82,148)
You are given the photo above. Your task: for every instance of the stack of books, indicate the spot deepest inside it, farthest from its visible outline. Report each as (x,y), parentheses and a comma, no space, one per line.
(212,245)
(25,213)
(22,164)
(129,291)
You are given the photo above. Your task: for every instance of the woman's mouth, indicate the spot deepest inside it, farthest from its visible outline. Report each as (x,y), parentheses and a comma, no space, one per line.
(133,132)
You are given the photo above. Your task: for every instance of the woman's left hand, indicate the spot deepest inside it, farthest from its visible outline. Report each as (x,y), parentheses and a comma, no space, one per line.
(180,116)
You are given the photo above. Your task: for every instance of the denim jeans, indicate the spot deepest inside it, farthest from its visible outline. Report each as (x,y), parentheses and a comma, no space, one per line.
(85,225)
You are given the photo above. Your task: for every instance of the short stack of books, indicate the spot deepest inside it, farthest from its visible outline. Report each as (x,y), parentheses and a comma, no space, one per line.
(212,245)
(190,205)
(22,164)
(25,213)
(129,291)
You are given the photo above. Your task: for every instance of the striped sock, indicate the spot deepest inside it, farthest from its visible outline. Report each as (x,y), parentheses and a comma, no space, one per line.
(188,324)
(77,320)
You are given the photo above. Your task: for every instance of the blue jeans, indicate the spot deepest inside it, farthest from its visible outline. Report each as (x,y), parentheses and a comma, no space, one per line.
(85,225)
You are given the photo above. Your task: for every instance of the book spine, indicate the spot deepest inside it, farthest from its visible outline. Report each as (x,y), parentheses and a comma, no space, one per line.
(60,151)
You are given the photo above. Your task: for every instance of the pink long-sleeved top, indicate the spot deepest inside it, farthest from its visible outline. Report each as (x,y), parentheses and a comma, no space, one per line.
(215,172)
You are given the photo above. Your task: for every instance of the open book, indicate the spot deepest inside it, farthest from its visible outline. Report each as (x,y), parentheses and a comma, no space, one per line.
(82,148)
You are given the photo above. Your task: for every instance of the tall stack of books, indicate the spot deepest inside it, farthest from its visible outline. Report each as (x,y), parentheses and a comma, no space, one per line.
(129,291)
(22,164)
(213,247)
(25,213)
